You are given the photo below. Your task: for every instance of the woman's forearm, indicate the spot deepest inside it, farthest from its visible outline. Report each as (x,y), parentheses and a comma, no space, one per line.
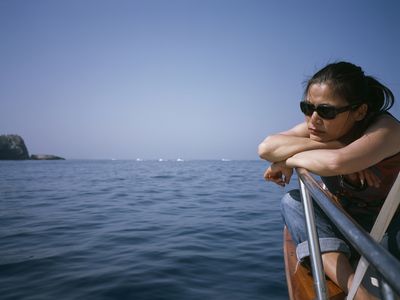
(324,162)
(280,147)
(379,142)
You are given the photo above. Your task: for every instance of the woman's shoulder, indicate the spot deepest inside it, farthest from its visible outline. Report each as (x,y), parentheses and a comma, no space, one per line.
(385,120)
(380,140)
(388,116)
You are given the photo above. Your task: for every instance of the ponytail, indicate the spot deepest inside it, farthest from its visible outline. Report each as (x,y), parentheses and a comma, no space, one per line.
(379,98)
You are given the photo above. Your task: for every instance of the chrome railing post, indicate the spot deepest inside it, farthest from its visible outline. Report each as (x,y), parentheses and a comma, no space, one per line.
(384,263)
(313,244)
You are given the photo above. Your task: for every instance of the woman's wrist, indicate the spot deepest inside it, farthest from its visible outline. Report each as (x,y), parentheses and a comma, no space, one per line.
(291,162)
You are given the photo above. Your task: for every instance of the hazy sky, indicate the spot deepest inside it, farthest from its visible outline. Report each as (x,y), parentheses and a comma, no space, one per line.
(166,79)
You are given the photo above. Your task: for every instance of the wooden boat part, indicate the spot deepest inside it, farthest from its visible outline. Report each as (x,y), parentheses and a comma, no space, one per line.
(299,278)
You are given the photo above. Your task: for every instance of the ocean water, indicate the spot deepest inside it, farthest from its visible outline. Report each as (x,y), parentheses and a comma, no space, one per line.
(99,229)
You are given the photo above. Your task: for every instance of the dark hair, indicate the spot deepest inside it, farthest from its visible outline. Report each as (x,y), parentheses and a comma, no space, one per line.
(349,82)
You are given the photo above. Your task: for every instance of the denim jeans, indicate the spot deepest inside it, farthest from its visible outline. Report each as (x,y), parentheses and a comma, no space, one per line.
(293,214)
(330,239)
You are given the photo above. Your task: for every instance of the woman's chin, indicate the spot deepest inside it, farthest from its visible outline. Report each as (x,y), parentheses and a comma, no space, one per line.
(319,138)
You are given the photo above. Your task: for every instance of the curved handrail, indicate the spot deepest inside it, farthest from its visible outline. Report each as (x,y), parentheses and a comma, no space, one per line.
(386,264)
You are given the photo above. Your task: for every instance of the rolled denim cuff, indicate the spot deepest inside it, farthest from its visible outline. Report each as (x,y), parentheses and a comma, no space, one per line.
(326,245)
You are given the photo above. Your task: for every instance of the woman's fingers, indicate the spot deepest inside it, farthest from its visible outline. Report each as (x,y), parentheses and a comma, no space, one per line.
(361,177)
(276,180)
(278,174)
(371,178)
(279,180)
(275,177)
(368,177)
(288,174)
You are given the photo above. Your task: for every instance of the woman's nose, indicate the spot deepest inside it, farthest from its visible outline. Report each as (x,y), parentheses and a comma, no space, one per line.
(315,118)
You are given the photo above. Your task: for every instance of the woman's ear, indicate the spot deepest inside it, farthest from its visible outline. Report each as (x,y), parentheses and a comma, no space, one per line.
(361,112)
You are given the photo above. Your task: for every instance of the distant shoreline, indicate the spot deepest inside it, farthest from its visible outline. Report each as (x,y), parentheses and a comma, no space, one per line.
(12,147)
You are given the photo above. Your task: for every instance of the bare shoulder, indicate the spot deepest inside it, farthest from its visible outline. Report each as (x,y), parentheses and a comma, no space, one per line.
(382,138)
(385,122)
(379,141)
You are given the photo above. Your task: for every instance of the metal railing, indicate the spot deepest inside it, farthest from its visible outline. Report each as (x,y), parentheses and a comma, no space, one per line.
(378,257)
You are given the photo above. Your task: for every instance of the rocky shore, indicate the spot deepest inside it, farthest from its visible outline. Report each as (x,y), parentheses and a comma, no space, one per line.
(45,157)
(12,147)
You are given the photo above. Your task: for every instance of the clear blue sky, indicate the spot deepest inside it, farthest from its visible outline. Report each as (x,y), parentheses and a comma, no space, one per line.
(166,79)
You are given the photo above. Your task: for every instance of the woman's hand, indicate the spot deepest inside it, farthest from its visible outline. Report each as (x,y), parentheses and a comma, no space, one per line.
(279,173)
(364,177)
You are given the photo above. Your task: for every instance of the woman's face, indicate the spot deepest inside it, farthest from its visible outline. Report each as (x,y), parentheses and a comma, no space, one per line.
(324,130)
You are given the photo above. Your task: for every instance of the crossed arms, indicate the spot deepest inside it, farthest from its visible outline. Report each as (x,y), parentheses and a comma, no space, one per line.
(294,148)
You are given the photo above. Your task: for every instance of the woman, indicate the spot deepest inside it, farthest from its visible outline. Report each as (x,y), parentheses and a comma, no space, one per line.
(353,143)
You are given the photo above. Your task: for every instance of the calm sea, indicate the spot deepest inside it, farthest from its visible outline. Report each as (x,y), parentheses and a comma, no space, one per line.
(87,229)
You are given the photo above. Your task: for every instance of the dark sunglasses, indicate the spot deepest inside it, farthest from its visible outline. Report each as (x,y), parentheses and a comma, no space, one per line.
(325,111)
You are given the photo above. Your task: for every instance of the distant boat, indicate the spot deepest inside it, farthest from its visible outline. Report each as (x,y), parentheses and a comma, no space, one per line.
(225,159)
(139,159)
(179,159)
(160,159)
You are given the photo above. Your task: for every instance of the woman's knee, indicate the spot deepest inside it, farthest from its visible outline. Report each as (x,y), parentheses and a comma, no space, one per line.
(291,200)
(291,206)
